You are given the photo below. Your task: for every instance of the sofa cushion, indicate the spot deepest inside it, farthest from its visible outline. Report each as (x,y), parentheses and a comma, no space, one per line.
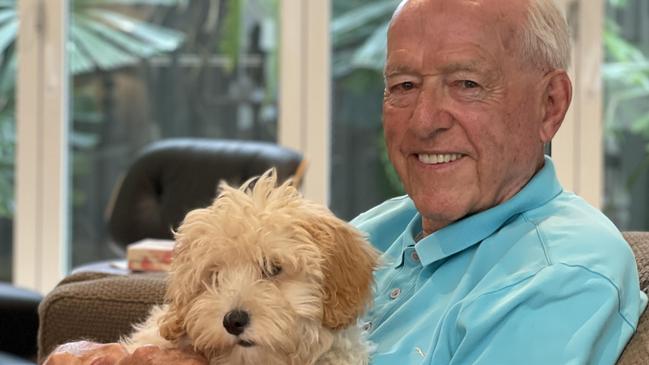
(96,306)
(637,351)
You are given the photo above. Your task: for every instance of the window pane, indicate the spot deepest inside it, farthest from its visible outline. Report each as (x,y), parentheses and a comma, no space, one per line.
(8,31)
(626,95)
(361,174)
(159,69)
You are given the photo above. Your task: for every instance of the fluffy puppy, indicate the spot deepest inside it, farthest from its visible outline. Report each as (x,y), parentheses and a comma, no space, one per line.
(263,276)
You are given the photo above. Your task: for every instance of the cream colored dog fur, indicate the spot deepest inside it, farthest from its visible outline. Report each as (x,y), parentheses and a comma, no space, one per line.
(263,276)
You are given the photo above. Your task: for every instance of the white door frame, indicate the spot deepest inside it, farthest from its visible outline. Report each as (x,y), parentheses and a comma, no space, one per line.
(41,220)
(305,88)
(577,148)
(40,255)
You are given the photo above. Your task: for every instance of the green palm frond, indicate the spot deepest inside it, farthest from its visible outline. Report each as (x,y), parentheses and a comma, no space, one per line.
(360,23)
(231,42)
(373,52)
(102,54)
(7,14)
(126,2)
(132,45)
(622,70)
(163,39)
(359,37)
(8,31)
(101,38)
(626,75)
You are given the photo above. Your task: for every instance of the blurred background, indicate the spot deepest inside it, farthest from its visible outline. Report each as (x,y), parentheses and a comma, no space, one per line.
(144,70)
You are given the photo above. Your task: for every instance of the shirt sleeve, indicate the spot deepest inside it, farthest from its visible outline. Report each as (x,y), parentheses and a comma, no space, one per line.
(561,315)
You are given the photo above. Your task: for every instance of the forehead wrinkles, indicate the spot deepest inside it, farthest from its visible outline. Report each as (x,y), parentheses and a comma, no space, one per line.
(502,19)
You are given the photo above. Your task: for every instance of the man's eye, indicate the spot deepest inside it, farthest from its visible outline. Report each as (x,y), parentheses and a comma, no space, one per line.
(468,84)
(408,85)
(402,86)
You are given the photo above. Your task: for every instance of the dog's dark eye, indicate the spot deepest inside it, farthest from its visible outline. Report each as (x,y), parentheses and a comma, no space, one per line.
(215,278)
(272,270)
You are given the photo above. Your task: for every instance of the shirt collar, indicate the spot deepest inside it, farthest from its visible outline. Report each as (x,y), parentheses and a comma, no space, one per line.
(471,230)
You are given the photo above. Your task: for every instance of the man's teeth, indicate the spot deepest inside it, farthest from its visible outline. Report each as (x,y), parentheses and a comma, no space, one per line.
(438,158)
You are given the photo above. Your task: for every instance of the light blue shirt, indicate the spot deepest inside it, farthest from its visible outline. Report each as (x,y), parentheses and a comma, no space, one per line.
(543,278)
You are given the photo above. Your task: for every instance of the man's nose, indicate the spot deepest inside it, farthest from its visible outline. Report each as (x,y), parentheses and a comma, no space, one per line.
(431,113)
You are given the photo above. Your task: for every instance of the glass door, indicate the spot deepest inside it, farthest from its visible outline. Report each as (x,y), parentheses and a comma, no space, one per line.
(362,176)
(626,113)
(144,70)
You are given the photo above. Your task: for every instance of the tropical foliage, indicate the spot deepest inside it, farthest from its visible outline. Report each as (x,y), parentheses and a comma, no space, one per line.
(626,78)
(358,33)
(100,39)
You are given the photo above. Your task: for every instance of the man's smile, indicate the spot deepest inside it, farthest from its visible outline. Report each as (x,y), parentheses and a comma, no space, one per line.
(439,158)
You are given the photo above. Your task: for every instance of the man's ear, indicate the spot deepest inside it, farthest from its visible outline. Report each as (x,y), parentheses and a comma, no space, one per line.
(556,101)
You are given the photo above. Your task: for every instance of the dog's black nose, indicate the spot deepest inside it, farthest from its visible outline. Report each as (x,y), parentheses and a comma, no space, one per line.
(236,321)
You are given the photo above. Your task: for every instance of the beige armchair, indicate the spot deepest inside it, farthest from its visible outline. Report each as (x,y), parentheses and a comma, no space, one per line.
(102,306)
(637,351)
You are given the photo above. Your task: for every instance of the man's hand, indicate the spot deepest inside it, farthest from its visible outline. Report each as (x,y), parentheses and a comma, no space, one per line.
(87,353)
(153,355)
(90,353)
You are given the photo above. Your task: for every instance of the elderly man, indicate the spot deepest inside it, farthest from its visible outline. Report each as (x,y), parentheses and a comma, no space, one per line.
(489,261)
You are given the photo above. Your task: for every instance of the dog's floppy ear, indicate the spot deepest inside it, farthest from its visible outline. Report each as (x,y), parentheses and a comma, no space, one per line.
(349,263)
(184,283)
(171,323)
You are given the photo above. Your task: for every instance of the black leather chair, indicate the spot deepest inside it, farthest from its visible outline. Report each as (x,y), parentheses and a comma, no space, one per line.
(171,177)
(18,324)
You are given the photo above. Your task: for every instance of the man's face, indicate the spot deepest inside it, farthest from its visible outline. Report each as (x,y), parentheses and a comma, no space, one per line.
(462,111)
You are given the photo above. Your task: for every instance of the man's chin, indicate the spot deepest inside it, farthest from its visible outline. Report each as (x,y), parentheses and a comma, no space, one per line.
(437,217)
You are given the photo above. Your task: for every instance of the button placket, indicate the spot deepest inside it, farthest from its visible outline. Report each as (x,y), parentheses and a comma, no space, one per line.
(367,326)
(414,256)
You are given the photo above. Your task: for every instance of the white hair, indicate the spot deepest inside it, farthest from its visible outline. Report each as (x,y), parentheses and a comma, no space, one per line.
(544,40)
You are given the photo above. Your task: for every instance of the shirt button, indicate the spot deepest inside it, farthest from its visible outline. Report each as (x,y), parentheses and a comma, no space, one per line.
(394,294)
(414,256)
(366,326)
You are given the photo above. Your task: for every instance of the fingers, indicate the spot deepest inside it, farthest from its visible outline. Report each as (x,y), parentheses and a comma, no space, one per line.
(141,356)
(103,360)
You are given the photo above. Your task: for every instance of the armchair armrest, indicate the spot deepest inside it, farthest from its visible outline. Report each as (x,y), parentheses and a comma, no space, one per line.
(95,306)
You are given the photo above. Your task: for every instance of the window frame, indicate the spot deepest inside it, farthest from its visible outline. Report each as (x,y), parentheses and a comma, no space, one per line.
(577,149)
(41,243)
(41,256)
(41,222)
